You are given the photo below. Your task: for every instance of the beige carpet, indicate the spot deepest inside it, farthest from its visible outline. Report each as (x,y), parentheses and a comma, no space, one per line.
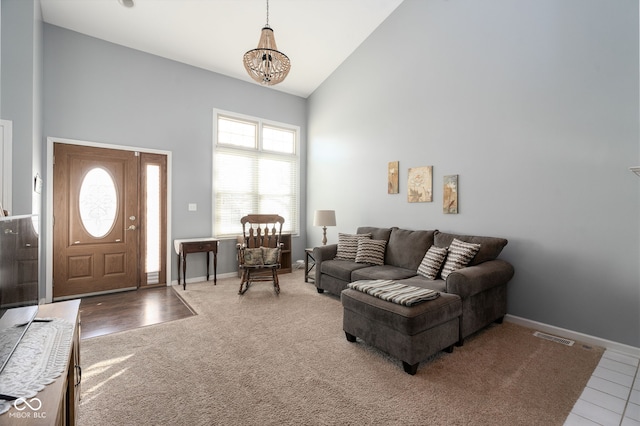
(262,359)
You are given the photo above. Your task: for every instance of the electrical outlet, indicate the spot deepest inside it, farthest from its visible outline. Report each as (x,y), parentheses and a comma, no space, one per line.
(193,207)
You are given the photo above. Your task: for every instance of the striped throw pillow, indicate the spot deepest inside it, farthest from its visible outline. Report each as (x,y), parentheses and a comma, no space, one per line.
(460,254)
(348,245)
(432,262)
(371,251)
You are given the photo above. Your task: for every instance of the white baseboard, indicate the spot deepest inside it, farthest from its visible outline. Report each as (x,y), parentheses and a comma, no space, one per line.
(573,335)
(204,278)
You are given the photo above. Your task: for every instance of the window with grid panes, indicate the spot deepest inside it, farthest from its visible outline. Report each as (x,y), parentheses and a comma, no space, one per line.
(255,171)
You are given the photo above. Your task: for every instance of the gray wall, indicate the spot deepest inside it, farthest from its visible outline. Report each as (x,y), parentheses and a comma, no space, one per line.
(101,92)
(534,104)
(21,96)
(21,79)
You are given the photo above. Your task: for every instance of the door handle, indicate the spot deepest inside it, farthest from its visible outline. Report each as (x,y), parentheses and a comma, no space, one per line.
(131,228)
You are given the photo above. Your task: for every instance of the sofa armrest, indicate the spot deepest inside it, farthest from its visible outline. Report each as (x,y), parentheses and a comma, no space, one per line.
(322,253)
(475,279)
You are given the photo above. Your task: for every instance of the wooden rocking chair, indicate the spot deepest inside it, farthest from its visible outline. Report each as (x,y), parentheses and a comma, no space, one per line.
(259,254)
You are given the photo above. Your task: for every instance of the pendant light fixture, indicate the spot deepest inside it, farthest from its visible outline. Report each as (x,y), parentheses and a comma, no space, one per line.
(266,64)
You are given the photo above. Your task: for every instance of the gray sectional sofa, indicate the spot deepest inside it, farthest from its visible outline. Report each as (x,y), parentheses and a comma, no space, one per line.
(481,285)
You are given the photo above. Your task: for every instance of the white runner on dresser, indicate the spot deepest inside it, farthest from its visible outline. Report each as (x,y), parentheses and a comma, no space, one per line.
(38,360)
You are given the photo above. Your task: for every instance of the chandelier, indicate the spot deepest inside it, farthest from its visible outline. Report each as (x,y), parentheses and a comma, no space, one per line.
(266,64)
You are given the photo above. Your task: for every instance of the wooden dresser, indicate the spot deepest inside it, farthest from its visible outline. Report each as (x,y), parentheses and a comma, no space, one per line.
(59,399)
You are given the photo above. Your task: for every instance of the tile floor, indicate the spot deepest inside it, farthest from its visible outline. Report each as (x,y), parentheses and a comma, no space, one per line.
(612,395)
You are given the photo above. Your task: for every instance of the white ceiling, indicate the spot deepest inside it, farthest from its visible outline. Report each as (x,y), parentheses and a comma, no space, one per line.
(317,35)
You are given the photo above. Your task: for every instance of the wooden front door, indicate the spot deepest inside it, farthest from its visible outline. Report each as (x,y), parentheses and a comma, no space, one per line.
(96,241)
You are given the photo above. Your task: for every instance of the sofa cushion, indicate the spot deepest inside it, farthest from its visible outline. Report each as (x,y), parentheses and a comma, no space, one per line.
(420,281)
(432,262)
(371,251)
(348,245)
(407,248)
(459,255)
(341,269)
(382,272)
(490,247)
(376,233)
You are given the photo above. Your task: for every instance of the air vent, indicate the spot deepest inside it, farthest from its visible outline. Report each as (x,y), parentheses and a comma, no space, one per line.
(552,338)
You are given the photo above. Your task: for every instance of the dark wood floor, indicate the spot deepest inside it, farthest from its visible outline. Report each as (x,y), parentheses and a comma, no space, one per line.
(115,312)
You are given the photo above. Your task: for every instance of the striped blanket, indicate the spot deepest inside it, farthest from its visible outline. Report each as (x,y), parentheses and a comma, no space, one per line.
(392,291)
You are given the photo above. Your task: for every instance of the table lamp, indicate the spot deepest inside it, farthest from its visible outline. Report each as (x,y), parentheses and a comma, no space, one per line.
(324,218)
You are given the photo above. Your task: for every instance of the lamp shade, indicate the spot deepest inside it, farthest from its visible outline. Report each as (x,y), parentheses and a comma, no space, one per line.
(324,218)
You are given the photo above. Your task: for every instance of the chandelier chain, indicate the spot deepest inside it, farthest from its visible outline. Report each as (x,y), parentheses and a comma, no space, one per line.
(267,13)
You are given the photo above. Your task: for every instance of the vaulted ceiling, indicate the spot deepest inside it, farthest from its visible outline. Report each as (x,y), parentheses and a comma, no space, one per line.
(317,35)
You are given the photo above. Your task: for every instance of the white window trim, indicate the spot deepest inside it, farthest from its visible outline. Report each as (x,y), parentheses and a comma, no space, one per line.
(261,122)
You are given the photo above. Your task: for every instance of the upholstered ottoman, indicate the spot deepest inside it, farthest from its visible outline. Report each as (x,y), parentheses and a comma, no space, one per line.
(409,333)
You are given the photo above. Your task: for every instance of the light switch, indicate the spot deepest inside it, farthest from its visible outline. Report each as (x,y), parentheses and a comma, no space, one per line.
(193,207)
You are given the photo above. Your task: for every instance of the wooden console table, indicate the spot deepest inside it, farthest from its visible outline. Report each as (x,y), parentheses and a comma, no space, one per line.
(196,245)
(59,399)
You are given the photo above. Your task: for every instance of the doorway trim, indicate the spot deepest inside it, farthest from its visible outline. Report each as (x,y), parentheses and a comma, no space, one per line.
(49,210)
(6,147)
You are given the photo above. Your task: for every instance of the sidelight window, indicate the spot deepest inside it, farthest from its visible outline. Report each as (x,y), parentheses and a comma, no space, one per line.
(153,205)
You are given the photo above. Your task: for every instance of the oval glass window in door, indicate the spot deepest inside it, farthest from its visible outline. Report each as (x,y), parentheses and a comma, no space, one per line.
(98,202)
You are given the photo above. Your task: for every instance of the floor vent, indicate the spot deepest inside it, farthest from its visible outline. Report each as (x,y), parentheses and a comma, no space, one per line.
(554,338)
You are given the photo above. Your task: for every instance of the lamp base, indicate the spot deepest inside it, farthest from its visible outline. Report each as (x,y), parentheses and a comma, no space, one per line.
(324,235)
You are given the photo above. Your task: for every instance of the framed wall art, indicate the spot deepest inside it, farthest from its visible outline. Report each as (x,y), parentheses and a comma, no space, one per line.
(450,194)
(420,184)
(393,178)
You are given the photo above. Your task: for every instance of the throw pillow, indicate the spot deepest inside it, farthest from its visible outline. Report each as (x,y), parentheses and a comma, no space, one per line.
(269,255)
(460,254)
(432,262)
(371,251)
(348,245)
(253,256)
